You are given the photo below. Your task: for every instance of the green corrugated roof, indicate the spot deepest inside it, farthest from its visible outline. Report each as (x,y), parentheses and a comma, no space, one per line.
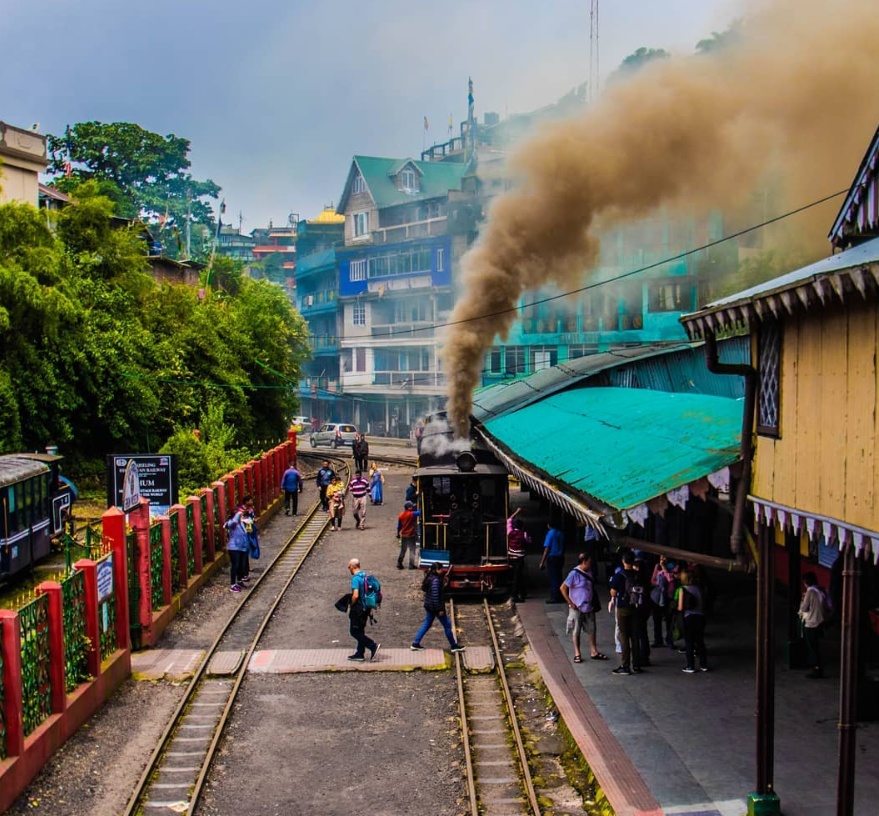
(436,180)
(623,446)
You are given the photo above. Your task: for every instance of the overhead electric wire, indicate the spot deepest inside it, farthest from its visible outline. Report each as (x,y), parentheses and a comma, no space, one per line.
(498,313)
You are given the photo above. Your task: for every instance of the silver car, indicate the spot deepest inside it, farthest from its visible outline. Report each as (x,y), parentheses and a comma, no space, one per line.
(335,435)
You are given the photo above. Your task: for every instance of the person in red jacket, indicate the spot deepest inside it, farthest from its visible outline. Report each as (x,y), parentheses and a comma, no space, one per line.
(407,532)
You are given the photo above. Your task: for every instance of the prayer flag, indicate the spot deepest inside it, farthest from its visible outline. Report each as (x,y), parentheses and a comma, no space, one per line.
(426,124)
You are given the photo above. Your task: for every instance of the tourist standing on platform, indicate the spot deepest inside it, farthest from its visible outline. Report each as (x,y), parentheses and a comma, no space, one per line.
(358,487)
(251,527)
(360,449)
(642,613)
(663,590)
(623,589)
(582,596)
(691,604)
(407,533)
(517,539)
(412,491)
(236,546)
(291,484)
(554,560)
(376,485)
(358,614)
(434,588)
(323,479)
(812,614)
(336,503)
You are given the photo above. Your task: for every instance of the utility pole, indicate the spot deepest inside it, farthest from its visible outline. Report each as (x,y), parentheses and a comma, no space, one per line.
(188,224)
(594,58)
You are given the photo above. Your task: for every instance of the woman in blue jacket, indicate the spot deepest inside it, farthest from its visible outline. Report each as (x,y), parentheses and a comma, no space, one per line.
(433,586)
(236,546)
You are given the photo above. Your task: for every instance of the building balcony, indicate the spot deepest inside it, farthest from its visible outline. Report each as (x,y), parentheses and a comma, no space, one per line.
(324,343)
(418,330)
(332,384)
(430,228)
(397,382)
(438,152)
(316,302)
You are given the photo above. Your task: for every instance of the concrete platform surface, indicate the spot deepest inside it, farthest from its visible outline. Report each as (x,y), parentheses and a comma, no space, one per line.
(165,664)
(292,661)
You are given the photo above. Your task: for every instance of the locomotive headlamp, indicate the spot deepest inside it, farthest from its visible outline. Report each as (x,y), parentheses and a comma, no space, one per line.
(466,462)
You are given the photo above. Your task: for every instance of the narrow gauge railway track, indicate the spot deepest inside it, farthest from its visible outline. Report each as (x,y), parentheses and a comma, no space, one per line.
(499,779)
(175,775)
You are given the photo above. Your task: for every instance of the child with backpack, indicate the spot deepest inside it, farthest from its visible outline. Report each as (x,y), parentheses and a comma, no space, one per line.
(434,588)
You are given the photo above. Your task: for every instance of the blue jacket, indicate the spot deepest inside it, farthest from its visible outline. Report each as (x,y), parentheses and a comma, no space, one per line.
(237,534)
(291,480)
(325,476)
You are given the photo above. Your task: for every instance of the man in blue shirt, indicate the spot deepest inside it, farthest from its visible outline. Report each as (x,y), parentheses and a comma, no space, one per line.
(291,484)
(358,614)
(554,560)
(323,479)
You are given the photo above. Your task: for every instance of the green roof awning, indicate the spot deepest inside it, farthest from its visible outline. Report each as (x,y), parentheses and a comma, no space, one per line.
(621,447)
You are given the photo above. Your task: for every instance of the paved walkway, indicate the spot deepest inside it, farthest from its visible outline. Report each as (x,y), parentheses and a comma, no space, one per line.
(691,737)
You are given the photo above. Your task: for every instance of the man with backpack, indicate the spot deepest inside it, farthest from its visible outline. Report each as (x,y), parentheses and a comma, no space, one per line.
(434,588)
(628,599)
(365,597)
(581,595)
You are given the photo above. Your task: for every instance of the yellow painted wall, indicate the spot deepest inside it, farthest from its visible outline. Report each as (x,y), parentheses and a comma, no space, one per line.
(823,461)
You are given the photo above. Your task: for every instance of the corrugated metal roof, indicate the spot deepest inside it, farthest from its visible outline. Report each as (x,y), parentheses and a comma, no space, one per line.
(834,278)
(14,469)
(679,368)
(621,446)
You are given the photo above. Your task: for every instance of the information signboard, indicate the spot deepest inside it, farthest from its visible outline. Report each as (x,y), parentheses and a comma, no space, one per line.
(105,578)
(142,475)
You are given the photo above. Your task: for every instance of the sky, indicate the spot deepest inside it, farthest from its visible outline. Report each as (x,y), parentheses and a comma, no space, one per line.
(276,96)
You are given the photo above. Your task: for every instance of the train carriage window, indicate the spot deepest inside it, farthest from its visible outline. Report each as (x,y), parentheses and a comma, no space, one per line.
(20,522)
(442,485)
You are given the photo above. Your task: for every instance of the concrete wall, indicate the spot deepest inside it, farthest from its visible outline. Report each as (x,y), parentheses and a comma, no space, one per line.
(22,159)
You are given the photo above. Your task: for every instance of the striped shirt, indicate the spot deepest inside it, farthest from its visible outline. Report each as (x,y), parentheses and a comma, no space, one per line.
(358,487)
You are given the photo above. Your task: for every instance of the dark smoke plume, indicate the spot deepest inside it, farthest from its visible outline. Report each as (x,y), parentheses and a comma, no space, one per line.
(797,97)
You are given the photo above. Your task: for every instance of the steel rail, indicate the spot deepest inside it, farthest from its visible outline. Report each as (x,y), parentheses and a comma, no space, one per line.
(134,801)
(514,720)
(465,728)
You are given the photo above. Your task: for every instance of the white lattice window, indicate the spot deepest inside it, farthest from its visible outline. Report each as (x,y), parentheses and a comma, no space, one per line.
(358,270)
(358,314)
(769,377)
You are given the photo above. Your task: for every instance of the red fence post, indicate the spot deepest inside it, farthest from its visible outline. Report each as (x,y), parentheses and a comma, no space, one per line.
(92,629)
(229,481)
(140,523)
(195,501)
(253,464)
(167,585)
(113,526)
(183,555)
(266,481)
(238,475)
(10,643)
(220,511)
(211,521)
(57,672)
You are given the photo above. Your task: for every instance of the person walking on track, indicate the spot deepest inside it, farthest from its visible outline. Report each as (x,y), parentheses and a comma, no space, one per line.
(407,532)
(323,479)
(358,487)
(360,449)
(336,502)
(376,484)
(358,614)
(434,588)
(291,484)
(237,549)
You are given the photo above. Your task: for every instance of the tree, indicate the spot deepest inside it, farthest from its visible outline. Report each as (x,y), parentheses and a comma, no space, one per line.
(718,41)
(145,174)
(636,61)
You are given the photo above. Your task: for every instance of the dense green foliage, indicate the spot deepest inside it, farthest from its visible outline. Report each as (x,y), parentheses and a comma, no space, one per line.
(96,357)
(144,174)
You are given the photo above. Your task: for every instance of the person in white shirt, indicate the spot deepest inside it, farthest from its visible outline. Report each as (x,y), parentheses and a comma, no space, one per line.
(812,615)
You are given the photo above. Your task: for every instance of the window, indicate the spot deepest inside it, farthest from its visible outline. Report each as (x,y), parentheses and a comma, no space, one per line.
(583,350)
(361,224)
(493,361)
(403,262)
(360,359)
(768,377)
(543,357)
(358,270)
(440,260)
(358,185)
(670,294)
(358,314)
(409,181)
(514,362)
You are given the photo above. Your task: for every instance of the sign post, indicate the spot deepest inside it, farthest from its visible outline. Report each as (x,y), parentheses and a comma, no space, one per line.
(131,477)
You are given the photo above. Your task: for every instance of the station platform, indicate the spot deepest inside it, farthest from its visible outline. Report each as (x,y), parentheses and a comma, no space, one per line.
(668,743)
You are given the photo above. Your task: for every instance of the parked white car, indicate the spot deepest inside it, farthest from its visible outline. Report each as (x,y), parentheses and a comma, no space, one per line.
(335,435)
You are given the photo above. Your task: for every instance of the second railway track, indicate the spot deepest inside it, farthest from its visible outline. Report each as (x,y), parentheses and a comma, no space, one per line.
(176,772)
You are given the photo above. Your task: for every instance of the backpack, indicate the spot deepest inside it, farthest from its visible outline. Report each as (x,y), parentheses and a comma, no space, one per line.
(372,592)
(596,598)
(634,593)
(691,601)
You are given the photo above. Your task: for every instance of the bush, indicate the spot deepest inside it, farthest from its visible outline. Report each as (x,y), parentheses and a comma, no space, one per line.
(193,465)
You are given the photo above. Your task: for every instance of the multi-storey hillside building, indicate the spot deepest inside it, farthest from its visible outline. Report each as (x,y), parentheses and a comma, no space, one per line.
(23,158)
(232,243)
(317,287)
(396,272)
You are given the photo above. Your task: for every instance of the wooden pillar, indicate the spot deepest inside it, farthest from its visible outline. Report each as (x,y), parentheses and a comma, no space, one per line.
(848,680)
(57,672)
(196,532)
(92,626)
(794,577)
(10,643)
(113,526)
(764,800)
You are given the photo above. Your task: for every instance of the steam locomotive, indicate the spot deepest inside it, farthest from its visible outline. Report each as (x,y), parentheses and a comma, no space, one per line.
(34,501)
(463,496)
